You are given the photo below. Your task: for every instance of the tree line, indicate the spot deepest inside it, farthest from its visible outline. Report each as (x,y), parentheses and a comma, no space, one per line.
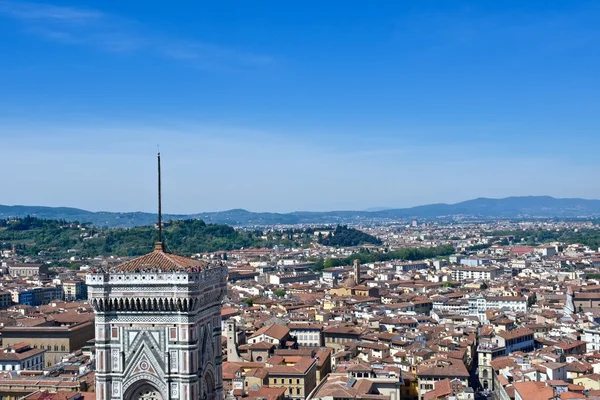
(31,236)
(407,254)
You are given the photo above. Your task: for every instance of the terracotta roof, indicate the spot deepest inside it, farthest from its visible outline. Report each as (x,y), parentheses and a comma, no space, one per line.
(229,370)
(487,330)
(349,283)
(300,368)
(346,330)
(278,332)
(257,373)
(225,312)
(579,366)
(343,387)
(442,388)
(571,395)
(506,298)
(520,332)
(570,344)
(586,296)
(7,356)
(46,395)
(592,377)
(576,388)
(261,346)
(162,261)
(455,369)
(534,390)
(360,367)
(293,326)
(266,393)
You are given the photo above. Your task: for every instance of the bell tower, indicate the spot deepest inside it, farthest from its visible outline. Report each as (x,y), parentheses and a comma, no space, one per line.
(158,327)
(357,271)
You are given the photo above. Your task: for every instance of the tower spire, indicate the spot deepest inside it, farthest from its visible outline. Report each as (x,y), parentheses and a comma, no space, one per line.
(159,245)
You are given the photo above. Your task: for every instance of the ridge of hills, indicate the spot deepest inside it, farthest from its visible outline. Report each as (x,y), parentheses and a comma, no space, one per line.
(480,208)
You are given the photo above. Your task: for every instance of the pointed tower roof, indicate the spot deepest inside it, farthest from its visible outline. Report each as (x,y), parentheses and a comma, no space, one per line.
(159,260)
(349,282)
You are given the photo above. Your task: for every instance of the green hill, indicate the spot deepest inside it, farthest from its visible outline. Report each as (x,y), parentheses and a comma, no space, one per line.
(59,238)
(342,236)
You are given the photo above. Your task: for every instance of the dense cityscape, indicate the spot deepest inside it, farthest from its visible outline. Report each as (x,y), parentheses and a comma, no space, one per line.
(413,310)
(389,200)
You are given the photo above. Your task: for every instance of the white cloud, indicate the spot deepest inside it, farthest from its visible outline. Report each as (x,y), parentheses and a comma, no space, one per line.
(112,33)
(40,11)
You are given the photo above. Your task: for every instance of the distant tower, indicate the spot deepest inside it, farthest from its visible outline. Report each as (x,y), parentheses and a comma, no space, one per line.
(232,353)
(357,271)
(158,327)
(569,307)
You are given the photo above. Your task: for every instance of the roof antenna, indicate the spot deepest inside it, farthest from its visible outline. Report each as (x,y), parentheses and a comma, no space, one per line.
(159,245)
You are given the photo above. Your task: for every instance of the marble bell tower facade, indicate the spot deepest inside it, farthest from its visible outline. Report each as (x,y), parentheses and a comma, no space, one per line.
(158,328)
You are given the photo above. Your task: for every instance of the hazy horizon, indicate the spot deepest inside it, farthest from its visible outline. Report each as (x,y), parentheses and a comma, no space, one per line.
(369,209)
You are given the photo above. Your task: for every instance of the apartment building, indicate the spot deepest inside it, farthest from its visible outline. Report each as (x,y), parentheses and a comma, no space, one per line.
(5,300)
(592,339)
(299,379)
(27,270)
(21,357)
(520,339)
(479,305)
(74,290)
(307,334)
(58,341)
(466,273)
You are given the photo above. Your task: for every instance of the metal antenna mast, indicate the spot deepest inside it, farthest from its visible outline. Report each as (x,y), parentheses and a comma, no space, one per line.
(160,240)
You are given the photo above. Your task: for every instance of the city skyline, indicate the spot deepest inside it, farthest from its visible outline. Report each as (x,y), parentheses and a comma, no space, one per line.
(282,108)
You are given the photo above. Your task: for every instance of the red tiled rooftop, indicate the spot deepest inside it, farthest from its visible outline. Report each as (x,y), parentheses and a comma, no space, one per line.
(161,261)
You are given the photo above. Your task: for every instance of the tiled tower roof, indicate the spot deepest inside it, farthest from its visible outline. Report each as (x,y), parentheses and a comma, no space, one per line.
(160,260)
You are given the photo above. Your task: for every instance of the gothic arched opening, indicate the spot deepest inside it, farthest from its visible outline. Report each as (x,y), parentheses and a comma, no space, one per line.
(144,391)
(208,386)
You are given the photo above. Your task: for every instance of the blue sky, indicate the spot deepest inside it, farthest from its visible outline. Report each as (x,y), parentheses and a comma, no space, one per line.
(311,105)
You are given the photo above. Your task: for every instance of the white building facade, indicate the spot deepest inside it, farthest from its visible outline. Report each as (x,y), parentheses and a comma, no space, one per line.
(158,328)
(464,273)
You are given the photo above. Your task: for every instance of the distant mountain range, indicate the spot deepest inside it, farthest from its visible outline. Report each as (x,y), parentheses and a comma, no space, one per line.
(481,208)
